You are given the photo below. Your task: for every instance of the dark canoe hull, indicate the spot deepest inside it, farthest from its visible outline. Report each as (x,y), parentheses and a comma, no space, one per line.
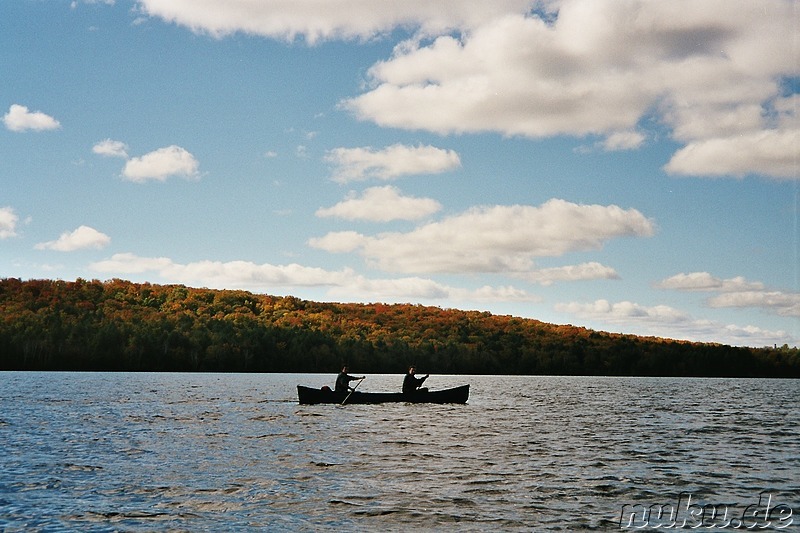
(307,395)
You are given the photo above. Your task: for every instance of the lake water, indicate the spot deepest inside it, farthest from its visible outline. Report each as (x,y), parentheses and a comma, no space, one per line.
(213,452)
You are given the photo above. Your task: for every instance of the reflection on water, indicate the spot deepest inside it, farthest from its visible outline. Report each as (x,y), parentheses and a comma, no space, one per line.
(205,452)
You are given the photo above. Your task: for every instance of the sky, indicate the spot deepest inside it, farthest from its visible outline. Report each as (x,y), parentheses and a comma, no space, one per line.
(623,165)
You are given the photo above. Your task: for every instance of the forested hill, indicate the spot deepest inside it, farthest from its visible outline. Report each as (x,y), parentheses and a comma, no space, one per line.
(119,325)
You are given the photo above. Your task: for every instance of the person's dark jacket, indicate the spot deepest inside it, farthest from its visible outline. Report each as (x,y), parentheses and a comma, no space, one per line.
(412,383)
(343,382)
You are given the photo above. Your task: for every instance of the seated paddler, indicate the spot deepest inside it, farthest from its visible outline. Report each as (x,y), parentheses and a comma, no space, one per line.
(411,383)
(343,381)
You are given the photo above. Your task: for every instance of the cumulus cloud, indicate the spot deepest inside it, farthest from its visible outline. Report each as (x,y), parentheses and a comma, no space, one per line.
(581,272)
(703,281)
(778,302)
(333,19)
(81,238)
(127,263)
(162,164)
(666,321)
(222,274)
(392,162)
(111,148)
(493,239)
(8,222)
(340,241)
(410,289)
(74,3)
(341,283)
(381,204)
(19,118)
(709,70)
(623,140)
(735,293)
(422,289)
(624,311)
(772,152)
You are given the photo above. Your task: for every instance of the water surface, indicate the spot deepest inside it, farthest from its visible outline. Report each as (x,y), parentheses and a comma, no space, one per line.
(210,452)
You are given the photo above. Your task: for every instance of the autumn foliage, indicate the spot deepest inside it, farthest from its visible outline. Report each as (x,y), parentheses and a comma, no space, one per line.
(124,326)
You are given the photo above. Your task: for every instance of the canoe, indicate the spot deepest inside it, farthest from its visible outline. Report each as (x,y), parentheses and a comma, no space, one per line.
(308,395)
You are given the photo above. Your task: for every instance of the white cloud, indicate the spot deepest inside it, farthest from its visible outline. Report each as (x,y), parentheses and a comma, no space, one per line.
(19,118)
(504,294)
(581,272)
(414,289)
(513,75)
(778,302)
(736,293)
(623,140)
(341,283)
(8,222)
(708,70)
(493,239)
(128,263)
(668,322)
(340,241)
(332,19)
(408,289)
(74,3)
(81,238)
(624,312)
(358,164)
(772,152)
(381,204)
(222,274)
(111,148)
(703,281)
(162,164)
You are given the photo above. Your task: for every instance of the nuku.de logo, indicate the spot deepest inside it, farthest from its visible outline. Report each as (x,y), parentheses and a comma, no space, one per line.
(687,513)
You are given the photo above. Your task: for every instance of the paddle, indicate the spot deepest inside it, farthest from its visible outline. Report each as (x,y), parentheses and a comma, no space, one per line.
(354,389)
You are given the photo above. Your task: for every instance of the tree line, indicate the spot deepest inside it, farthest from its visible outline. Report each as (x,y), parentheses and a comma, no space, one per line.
(118,325)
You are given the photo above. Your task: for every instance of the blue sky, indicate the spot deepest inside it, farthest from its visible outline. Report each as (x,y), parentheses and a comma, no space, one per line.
(625,166)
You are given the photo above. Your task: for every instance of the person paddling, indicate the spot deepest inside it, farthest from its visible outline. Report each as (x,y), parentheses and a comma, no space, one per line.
(343,381)
(411,383)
